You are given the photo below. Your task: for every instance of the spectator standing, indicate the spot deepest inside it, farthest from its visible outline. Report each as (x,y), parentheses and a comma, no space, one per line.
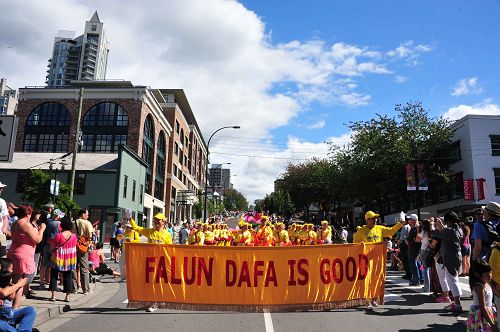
(184,233)
(481,233)
(451,236)
(4,221)
(52,229)
(113,242)
(424,238)
(83,228)
(63,259)
(414,251)
(35,222)
(403,247)
(22,250)
(466,249)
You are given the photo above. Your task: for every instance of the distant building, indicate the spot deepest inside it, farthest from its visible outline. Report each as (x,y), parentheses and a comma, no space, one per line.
(81,58)
(8,98)
(219,178)
(475,169)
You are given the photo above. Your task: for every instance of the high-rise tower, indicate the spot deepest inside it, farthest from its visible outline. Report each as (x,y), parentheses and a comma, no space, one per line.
(81,58)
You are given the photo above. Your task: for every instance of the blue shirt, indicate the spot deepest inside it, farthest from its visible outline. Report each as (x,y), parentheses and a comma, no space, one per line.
(52,228)
(480,232)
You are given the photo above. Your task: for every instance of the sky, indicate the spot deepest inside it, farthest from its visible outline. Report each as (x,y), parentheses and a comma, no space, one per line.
(292,74)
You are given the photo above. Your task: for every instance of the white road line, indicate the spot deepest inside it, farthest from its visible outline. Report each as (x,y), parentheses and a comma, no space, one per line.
(268,321)
(126,301)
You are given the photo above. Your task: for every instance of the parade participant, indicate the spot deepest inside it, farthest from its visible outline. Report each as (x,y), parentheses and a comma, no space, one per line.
(302,235)
(325,233)
(291,232)
(129,236)
(282,238)
(264,233)
(237,233)
(371,232)
(209,235)
(312,237)
(158,234)
(246,236)
(199,239)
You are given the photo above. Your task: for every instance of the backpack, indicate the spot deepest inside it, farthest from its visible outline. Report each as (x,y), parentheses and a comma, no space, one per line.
(492,232)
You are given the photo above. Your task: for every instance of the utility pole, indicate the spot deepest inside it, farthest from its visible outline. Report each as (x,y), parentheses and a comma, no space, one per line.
(75,149)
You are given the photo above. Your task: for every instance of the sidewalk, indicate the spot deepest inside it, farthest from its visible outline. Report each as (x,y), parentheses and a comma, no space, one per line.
(46,309)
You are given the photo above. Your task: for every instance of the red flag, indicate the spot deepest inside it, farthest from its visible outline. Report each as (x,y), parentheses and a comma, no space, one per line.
(480,189)
(468,190)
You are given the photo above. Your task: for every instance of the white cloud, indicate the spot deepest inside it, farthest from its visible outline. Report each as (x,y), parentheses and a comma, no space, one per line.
(409,51)
(467,86)
(316,125)
(218,51)
(400,79)
(458,112)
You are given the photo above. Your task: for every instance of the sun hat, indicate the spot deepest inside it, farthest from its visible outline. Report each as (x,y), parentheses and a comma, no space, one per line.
(493,208)
(371,215)
(413,216)
(160,216)
(58,212)
(451,216)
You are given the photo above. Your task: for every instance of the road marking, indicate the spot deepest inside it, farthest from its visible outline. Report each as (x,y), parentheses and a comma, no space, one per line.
(268,321)
(126,301)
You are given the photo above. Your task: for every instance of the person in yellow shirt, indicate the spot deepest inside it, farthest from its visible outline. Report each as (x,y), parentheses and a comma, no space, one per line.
(158,234)
(282,237)
(264,234)
(192,234)
(246,236)
(291,232)
(325,233)
(209,235)
(312,237)
(371,232)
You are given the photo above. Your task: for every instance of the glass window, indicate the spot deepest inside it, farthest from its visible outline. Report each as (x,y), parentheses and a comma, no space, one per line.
(125,186)
(497,180)
(103,143)
(140,194)
(47,129)
(495,145)
(80,183)
(147,150)
(134,183)
(22,177)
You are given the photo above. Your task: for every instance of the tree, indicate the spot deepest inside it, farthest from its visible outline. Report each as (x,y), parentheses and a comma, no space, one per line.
(37,191)
(234,200)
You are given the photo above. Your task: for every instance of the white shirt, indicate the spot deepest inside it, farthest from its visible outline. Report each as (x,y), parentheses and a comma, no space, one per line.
(425,240)
(4,212)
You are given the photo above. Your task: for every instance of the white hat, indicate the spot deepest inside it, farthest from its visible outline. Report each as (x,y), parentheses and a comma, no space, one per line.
(413,216)
(2,185)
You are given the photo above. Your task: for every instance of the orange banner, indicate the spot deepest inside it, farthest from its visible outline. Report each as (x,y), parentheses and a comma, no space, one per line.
(254,278)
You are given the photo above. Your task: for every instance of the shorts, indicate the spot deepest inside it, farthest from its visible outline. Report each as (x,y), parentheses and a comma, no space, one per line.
(466,250)
(114,243)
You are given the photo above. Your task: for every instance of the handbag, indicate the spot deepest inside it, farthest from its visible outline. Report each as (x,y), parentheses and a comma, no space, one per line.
(83,244)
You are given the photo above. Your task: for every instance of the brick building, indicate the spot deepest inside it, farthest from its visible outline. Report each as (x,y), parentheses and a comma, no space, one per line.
(157,125)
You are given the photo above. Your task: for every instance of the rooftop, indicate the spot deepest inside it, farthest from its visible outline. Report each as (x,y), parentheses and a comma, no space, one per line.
(85,161)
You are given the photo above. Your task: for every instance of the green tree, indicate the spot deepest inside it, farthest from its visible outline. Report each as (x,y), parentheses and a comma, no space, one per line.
(37,191)
(234,200)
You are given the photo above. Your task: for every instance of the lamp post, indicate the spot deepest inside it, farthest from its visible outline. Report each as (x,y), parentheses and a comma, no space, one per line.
(205,215)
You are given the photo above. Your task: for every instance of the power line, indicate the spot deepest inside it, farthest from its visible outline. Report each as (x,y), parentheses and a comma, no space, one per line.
(264,157)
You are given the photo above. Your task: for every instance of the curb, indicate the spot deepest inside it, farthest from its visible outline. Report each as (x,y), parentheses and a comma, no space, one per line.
(45,314)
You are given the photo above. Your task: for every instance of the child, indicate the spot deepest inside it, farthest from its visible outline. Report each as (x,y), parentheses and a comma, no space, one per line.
(482,314)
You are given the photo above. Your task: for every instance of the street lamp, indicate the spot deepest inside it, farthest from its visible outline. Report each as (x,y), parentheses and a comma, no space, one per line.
(205,215)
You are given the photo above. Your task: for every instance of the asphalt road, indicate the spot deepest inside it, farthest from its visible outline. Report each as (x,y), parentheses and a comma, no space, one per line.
(405,310)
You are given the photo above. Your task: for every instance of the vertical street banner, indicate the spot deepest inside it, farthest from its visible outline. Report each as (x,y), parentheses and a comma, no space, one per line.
(469,190)
(254,278)
(423,182)
(411,183)
(480,189)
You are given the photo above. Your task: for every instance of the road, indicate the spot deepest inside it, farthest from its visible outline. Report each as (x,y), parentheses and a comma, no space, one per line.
(405,310)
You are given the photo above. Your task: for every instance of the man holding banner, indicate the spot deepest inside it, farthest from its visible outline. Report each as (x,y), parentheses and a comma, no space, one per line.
(372,232)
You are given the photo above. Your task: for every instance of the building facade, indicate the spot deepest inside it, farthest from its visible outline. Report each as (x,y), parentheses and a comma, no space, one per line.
(474,170)
(81,58)
(8,98)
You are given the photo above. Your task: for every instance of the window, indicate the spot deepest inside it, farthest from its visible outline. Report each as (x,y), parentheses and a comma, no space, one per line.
(94,27)
(176,149)
(147,150)
(160,166)
(22,177)
(133,190)
(497,180)
(47,129)
(177,126)
(125,186)
(495,145)
(80,183)
(175,170)
(182,137)
(104,127)
(173,193)
(141,193)
(455,152)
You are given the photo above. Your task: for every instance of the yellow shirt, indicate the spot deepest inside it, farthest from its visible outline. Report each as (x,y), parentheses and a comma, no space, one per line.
(325,234)
(495,264)
(282,238)
(199,238)
(131,236)
(376,234)
(154,236)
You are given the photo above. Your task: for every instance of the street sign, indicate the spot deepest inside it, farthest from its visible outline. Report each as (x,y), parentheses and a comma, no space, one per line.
(54,187)
(8,130)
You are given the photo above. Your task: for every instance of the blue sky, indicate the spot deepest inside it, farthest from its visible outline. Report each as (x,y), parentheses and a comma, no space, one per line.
(290,73)
(464,36)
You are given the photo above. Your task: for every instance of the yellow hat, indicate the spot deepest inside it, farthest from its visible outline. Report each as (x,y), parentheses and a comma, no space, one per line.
(160,216)
(323,222)
(371,214)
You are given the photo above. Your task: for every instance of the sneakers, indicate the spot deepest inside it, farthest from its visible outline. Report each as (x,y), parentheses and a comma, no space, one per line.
(443,299)
(374,304)
(369,307)
(414,283)
(154,307)
(453,308)
(89,292)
